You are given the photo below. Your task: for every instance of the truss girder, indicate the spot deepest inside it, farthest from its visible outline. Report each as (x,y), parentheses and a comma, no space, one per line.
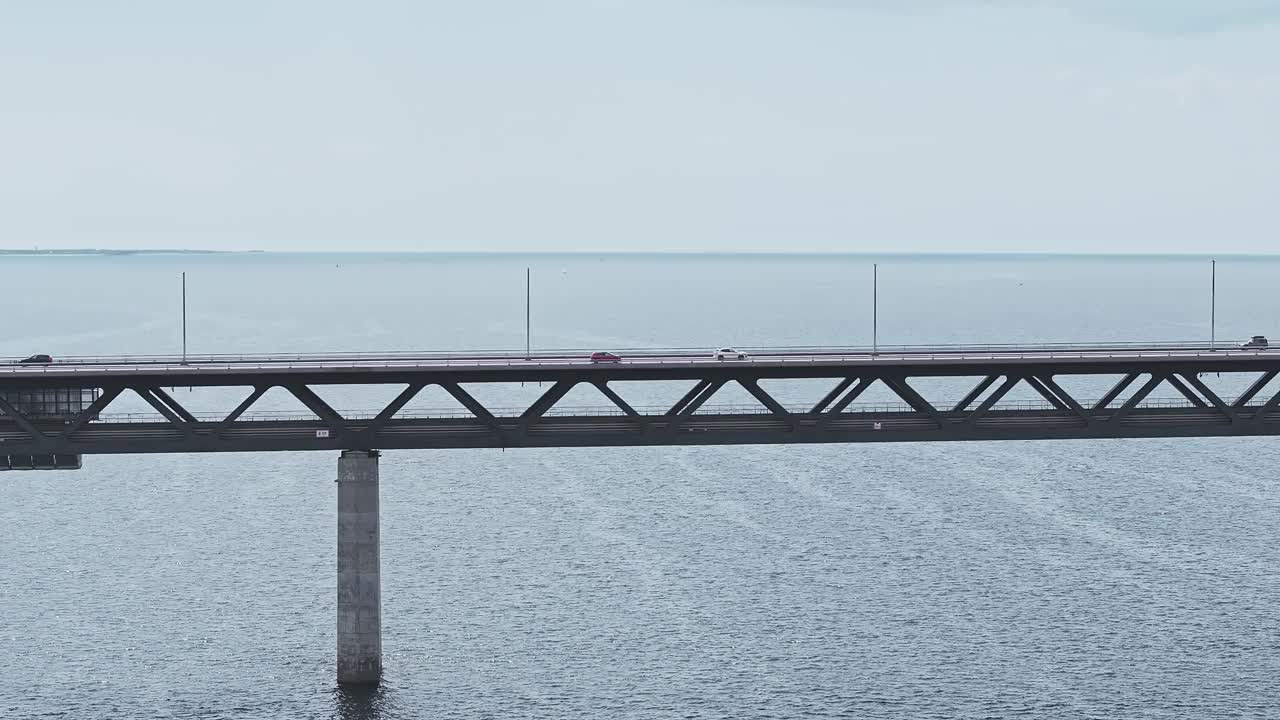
(983,413)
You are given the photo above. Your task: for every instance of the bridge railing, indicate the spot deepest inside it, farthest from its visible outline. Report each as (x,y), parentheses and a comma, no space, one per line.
(133,366)
(639,352)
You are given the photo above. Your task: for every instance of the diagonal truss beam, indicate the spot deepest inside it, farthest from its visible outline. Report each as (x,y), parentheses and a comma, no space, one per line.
(380,420)
(474,407)
(1213,397)
(616,399)
(992,399)
(317,405)
(97,406)
(1052,386)
(174,405)
(12,413)
(179,423)
(826,417)
(395,406)
(1043,390)
(240,409)
(690,407)
(976,392)
(1120,386)
(327,414)
(900,388)
(849,397)
(697,390)
(544,403)
(1254,389)
(831,396)
(1266,409)
(753,387)
(1186,392)
(1136,398)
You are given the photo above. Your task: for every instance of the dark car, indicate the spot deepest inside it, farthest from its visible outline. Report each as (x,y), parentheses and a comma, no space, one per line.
(1257,342)
(604,357)
(36,360)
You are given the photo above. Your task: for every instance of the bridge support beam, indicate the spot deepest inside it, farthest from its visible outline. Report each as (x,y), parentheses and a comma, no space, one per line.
(359,570)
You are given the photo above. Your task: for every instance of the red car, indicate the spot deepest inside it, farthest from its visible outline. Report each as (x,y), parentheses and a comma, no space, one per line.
(604,357)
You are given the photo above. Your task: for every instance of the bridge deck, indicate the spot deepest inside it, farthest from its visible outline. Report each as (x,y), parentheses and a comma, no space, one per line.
(358,367)
(1128,410)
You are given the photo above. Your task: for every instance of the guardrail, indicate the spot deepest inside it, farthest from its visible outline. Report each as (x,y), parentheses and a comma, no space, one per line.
(178,369)
(582,353)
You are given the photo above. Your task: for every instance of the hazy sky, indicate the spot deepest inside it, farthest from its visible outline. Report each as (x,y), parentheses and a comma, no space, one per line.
(829,125)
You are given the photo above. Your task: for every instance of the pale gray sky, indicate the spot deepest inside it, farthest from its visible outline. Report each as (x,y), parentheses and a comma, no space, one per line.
(699,125)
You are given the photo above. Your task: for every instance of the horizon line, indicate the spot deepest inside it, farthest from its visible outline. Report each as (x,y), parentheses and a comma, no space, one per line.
(690,253)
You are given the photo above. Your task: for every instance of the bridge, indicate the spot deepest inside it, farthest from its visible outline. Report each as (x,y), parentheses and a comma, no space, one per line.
(981,413)
(53,414)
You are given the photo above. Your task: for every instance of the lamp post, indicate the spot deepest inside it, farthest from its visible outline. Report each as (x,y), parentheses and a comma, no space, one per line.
(875,308)
(1213,305)
(528,295)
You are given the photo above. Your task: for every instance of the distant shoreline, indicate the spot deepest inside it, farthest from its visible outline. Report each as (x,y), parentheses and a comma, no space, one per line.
(106,251)
(691,255)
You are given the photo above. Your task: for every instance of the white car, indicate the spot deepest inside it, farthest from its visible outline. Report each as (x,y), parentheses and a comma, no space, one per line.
(729,354)
(1257,342)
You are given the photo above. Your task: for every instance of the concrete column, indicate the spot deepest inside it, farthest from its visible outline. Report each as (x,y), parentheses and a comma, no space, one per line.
(359,573)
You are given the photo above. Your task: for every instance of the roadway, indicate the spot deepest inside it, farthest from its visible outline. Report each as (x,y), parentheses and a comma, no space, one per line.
(631,360)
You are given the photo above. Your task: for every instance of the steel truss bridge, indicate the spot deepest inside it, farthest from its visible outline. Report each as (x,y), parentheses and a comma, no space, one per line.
(1130,409)
(51,415)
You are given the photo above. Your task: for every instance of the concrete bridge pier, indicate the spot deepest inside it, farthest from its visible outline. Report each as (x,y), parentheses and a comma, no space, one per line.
(359,571)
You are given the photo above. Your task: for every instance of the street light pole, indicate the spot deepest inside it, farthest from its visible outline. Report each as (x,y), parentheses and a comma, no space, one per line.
(184,317)
(528,295)
(875,308)
(1213,305)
